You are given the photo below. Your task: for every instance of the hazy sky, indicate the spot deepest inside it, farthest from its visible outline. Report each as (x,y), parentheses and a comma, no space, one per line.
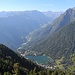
(42,5)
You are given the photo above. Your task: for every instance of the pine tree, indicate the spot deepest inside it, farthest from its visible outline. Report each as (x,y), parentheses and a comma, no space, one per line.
(16,69)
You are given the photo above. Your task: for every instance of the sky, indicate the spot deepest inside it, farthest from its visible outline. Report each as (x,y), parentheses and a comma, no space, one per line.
(40,5)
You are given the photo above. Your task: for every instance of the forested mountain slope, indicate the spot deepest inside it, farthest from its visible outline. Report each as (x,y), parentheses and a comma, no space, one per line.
(60,45)
(14,64)
(42,34)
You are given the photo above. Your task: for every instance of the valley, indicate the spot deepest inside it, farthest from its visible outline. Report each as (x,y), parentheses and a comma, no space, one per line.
(39,58)
(16,25)
(38,41)
(14,64)
(56,40)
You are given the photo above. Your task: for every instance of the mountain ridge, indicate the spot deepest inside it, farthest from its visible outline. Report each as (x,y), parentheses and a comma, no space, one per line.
(12,63)
(60,45)
(14,29)
(42,34)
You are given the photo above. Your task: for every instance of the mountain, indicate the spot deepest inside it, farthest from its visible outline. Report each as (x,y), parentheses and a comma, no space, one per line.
(7,14)
(60,45)
(53,15)
(43,33)
(15,26)
(67,17)
(14,64)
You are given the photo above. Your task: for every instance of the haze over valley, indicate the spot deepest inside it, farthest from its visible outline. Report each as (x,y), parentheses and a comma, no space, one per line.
(37,37)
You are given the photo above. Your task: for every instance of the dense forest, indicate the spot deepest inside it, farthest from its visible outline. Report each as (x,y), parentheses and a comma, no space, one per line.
(14,64)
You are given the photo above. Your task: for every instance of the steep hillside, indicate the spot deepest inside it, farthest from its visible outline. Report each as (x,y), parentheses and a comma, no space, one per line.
(13,64)
(15,26)
(62,40)
(43,33)
(60,45)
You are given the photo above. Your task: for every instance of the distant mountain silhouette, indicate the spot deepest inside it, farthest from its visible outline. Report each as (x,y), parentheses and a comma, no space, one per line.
(15,26)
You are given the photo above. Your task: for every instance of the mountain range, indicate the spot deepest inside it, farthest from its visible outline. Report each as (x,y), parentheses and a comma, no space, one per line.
(34,31)
(16,25)
(56,39)
(64,19)
(53,15)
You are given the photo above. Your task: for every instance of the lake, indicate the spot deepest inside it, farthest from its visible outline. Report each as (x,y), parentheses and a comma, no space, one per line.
(40,59)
